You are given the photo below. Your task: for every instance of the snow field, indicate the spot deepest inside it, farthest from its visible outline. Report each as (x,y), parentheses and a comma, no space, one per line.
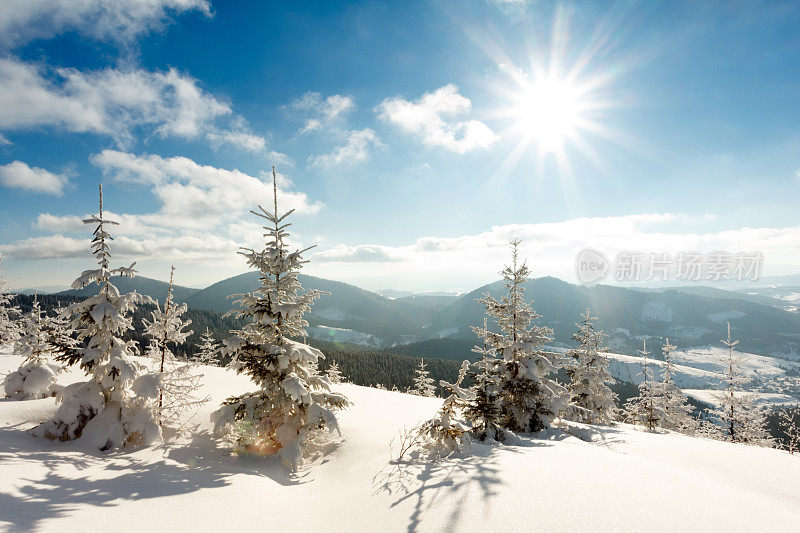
(623,479)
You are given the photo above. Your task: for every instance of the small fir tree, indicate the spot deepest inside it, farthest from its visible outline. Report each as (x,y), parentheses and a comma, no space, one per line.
(644,409)
(36,376)
(447,433)
(789,422)
(116,407)
(208,350)
(594,401)
(333,374)
(529,399)
(294,403)
(741,419)
(674,405)
(423,383)
(483,412)
(9,331)
(178,383)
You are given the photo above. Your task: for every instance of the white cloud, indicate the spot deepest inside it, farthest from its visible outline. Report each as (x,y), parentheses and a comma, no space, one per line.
(364,253)
(550,248)
(196,195)
(20,176)
(203,213)
(4,141)
(323,112)
(432,118)
(354,151)
(122,21)
(116,103)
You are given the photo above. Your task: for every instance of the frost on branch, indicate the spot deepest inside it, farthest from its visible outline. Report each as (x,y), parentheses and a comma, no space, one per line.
(447,433)
(590,394)
(676,411)
(740,418)
(208,350)
(483,411)
(177,383)
(333,374)
(294,405)
(112,409)
(423,383)
(645,409)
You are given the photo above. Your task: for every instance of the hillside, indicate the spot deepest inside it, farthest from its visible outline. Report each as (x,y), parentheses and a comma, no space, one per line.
(150,287)
(619,478)
(628,315)
(689,316)
(346,306)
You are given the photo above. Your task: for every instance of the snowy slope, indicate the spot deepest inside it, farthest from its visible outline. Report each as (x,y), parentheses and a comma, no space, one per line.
(702,368)
(629,368)
(765,399)
(624,479)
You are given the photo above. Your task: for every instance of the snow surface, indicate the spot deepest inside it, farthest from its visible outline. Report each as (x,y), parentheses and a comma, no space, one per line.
(622,479)
(765,399)
(702,368)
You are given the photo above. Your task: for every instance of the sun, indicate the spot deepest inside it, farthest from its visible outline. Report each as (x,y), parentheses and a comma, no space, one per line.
(548,113)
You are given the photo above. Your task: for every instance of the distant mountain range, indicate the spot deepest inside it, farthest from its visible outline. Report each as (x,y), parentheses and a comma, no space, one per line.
(153,288)
(690,316)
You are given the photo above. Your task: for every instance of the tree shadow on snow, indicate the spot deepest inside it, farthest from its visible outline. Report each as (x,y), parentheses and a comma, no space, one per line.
(203,450)
(425,482)
(187,467)
(606,436)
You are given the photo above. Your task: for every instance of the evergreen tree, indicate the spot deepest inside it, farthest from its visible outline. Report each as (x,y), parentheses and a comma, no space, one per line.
(117,405)
(483,412)
(333,374)
(446,433)
(208,349)
(789,422)
(644,409)
(675,408)
(293,403)
(36,376)
(177,382)
(423,383)
(589,376)
(529,399)
(8,313)
(742,420)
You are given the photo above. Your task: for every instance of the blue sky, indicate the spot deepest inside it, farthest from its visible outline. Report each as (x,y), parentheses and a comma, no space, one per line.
(414,138)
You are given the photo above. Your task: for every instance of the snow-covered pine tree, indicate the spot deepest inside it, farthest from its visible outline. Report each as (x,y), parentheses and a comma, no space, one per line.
(644,409)
(117,406)
(36,376)
(742,420)
(447,433)
(9,331)
(483,411)
(594,401)
(675,409)
(209,350)
(293,403)
(178,383)
(423,383)
(529,399)
(333,374)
